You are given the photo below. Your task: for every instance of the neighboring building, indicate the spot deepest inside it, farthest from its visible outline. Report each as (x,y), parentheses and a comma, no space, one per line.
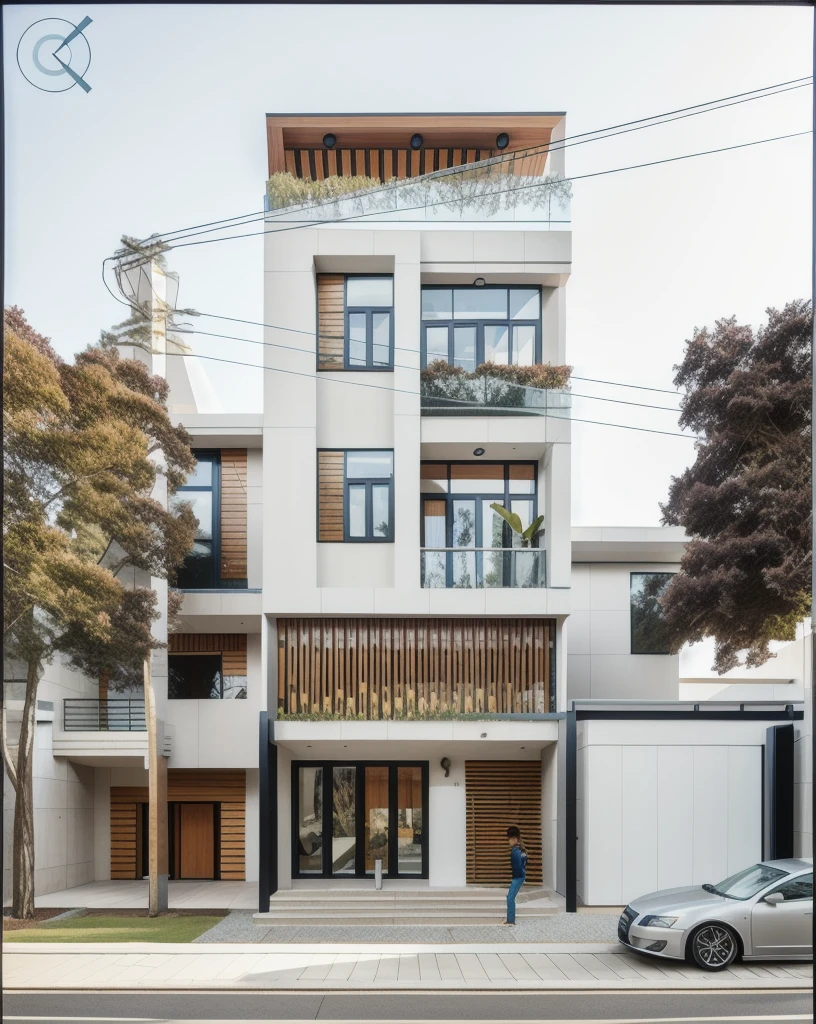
(421,681)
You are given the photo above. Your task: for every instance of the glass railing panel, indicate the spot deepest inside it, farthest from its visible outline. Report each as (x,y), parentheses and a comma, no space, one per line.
(488,396)
(480,568)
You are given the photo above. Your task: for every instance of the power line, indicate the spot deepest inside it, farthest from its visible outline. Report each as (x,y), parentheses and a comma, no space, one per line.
(402,366)
(570,140)
(402,391)
(518,188)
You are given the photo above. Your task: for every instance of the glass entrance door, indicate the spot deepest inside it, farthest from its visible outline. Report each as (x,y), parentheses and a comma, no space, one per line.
(346,816)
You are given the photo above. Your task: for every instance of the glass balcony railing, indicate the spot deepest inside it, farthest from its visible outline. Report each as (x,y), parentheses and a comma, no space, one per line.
(480,568)
(489,396)
(509,188)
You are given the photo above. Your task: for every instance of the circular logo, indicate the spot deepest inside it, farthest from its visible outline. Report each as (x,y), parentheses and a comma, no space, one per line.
(54,55)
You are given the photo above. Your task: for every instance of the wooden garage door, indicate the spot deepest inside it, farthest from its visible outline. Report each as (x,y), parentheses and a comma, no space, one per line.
(499,794)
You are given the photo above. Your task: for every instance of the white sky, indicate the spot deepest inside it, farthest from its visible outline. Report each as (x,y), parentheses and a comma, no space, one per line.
(172,134)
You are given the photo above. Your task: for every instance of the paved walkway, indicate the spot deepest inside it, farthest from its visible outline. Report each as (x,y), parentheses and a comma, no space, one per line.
(132,895)
(154,966)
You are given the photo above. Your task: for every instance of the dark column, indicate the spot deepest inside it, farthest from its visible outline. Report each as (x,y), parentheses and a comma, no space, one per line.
(268,811)
(777,840)
(571,789)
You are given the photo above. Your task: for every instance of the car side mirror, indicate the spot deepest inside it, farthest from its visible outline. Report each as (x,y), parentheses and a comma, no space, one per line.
(774,897)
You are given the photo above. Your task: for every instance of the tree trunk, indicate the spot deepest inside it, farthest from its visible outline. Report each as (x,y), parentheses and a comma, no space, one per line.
(157,809)
(23,851)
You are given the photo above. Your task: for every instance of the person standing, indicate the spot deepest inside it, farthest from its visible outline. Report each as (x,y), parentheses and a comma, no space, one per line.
(518,864)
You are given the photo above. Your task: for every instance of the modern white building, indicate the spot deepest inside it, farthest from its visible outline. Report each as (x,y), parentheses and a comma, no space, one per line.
(372,666)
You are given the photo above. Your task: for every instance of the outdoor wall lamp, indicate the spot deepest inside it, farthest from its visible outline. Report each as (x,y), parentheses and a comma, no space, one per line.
(478,451)
(502,140)
(416,141)
(329,140)
(479,282)
(445,763)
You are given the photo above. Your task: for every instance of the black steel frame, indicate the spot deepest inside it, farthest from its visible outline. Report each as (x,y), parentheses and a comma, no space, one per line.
(360,766)
(267,812)
(368,311)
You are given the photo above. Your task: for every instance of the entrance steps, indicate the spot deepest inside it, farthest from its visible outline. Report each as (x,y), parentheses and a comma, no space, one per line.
(403,906)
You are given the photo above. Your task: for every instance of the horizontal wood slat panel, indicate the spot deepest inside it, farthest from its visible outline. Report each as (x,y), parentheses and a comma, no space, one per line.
(330,496)
(391,668)
(233,513)
(331,323)
(226,787)
(499,794)
(231,646)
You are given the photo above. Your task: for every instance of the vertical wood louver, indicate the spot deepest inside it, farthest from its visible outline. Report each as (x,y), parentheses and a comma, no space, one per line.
(331,327)
(499,794)
(233,514)
(330,496)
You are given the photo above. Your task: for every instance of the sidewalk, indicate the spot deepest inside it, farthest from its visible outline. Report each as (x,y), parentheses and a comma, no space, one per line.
(216,967)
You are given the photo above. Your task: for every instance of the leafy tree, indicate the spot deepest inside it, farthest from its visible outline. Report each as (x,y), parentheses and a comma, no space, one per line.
(746,501)
(78,447)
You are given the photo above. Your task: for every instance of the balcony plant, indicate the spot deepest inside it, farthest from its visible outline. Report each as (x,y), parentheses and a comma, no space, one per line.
(491,384)
(513,520)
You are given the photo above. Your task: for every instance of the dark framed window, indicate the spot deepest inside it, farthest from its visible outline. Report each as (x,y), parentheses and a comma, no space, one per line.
(648,631)
(201,568)
(195,677)
(356,495)
(369,322)
(467,326)
(456,514)
(349,814)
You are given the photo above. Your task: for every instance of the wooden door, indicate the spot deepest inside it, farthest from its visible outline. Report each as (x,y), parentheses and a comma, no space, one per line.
(197,841)
(499,794)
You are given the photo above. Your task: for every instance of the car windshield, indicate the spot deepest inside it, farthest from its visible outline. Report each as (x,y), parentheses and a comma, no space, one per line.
(745,884)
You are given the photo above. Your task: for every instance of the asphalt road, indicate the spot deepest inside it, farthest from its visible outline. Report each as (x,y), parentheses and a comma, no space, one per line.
(408,1006)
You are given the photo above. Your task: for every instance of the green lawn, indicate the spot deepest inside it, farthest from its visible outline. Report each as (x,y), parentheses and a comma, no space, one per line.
(113,928)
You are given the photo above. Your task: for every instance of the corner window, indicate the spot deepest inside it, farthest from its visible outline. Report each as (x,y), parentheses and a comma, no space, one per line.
(200,491)
(355,322)
(356,495)
(647,627)
(469,326)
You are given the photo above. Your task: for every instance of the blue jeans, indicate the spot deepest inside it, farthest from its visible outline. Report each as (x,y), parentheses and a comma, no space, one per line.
(512,892)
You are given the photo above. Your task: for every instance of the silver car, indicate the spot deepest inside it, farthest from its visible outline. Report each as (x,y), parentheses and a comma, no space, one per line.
(762,913)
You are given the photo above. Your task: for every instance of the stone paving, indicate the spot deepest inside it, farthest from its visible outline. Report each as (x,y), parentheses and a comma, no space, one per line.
(159,966)
(132,895)
(239,926)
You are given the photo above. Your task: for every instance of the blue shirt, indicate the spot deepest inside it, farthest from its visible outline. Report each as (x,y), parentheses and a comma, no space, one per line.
(518,862)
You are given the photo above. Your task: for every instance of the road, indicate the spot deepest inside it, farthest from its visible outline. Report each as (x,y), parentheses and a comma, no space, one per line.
(725,1007)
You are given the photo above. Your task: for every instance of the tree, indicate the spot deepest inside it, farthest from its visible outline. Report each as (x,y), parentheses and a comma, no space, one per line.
(746,501)
(77,447)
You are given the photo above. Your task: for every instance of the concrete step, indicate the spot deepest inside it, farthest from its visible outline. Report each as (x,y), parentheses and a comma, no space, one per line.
(327,897)
(389,916)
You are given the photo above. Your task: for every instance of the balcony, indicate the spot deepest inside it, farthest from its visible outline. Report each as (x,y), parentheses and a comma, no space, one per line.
(117,714)
(483,568)
(488,396)
(504,189)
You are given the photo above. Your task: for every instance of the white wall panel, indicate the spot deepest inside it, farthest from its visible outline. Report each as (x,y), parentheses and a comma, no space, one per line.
(675,816)
(744,807)
(710,857)
(638,821)
(603,838)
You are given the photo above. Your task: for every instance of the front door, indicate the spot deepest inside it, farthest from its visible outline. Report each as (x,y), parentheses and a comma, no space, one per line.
(347,816)
(785,929)
(192,834)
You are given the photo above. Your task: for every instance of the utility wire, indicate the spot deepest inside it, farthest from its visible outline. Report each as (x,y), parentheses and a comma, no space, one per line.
(403,391)
(573,140)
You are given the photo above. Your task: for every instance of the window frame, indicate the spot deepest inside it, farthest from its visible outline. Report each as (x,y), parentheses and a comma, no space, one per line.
(198,654)
(216,582)
(368,483)
(632,651)
(369,312)
(480,324)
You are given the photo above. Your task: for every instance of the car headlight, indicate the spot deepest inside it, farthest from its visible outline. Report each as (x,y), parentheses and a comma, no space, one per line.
(652,921)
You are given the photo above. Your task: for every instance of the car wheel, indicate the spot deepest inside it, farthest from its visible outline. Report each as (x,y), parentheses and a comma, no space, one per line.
(713,947)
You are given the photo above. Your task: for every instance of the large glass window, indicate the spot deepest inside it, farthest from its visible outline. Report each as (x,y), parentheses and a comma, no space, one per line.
(649,634)
(194,677)
(369,478)
(469,326)
(369,311)
(309,825)
(465,540)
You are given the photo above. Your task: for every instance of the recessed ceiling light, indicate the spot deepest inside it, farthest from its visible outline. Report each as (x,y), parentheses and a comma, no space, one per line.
(479,282)
(416,141)
(329,140)
(478,451)
(502,140)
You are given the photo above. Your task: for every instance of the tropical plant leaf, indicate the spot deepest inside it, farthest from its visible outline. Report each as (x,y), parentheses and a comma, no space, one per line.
(511,518)
(533,528)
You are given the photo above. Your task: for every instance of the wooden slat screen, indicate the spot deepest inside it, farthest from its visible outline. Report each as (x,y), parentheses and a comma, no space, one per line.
(202,785)
(386,164)
(233,513)
(330,468)
(231,646)
(331,323)
(390,668)
(499,794)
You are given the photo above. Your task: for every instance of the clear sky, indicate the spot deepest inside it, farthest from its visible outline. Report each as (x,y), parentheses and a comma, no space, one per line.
(172,134)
